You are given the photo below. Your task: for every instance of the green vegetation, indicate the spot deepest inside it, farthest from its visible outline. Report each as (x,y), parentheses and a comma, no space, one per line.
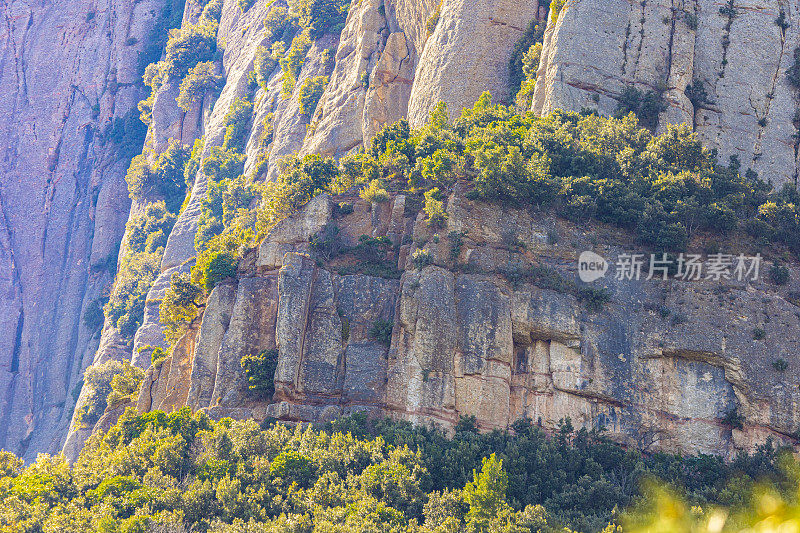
(125,307)
(793,74)
(93,315)
(292,61)
(664,188)
(646,106)
(375,192)
(433,21)
(381,331)
(109,384)
(555,9)
(779,274)
(236,122)
(164,178)
(780,364)
(300,180)
(163,185)
(184,472)
(524,64)
(320,16)
(202,79)
(421,258)
(260,372)
(179,306)
(434,208)
(310,92)
(148,231)
(188,59)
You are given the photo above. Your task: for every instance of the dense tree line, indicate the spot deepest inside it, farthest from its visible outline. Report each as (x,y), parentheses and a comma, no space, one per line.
(184,472)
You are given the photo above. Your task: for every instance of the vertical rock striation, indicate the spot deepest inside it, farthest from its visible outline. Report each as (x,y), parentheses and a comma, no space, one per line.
(738,52)
(69,73)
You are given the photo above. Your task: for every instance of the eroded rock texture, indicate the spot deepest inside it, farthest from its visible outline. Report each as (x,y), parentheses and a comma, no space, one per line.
(662,365)
(68,72)
(464,341)
(739,52)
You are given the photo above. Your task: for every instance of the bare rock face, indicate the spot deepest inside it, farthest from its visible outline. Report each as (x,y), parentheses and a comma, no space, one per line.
(739,55)
(68,72)
(468,54)
(464,341)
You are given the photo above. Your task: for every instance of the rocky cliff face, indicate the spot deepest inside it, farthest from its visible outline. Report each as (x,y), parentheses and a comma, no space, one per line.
(738,52)
(662,364)
(462,343)
(70,77)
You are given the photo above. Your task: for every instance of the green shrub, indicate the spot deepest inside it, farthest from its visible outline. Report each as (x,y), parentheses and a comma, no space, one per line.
(181,303)
(292,61)
(93,316)
(264,63)
(189,46)
(793,73)
(147,232)
(733,419)
(291,466)
(524,60)
(326,244)
(759,334)
(201,80)
(381,331)
(165,178)
(555,9)
(299,181)
(646,106)
(780,365)
(125,307)
(433,21)
(237,122)
(434,208)
(244,5)
(125,385)
(421,258)
(226,203)
(220,164)
(320,16)
(779,274)
(375,192)
(97,384)
(697,94)
(260,372)
(595,299)
(310,92)
(193,164)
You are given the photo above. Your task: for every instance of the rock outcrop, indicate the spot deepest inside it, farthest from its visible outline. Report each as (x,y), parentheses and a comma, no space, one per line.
(70,80)
(739,52)
(663,364)
(462,343)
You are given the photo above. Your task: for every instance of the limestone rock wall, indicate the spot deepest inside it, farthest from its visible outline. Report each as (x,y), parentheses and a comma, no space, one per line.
(68,71)
(660,366)
(738,51)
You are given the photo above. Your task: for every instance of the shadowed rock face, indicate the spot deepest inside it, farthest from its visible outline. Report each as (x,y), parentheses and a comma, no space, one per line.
(68,70)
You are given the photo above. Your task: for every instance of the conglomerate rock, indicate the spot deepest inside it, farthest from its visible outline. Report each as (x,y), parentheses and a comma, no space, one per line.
(464,341)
